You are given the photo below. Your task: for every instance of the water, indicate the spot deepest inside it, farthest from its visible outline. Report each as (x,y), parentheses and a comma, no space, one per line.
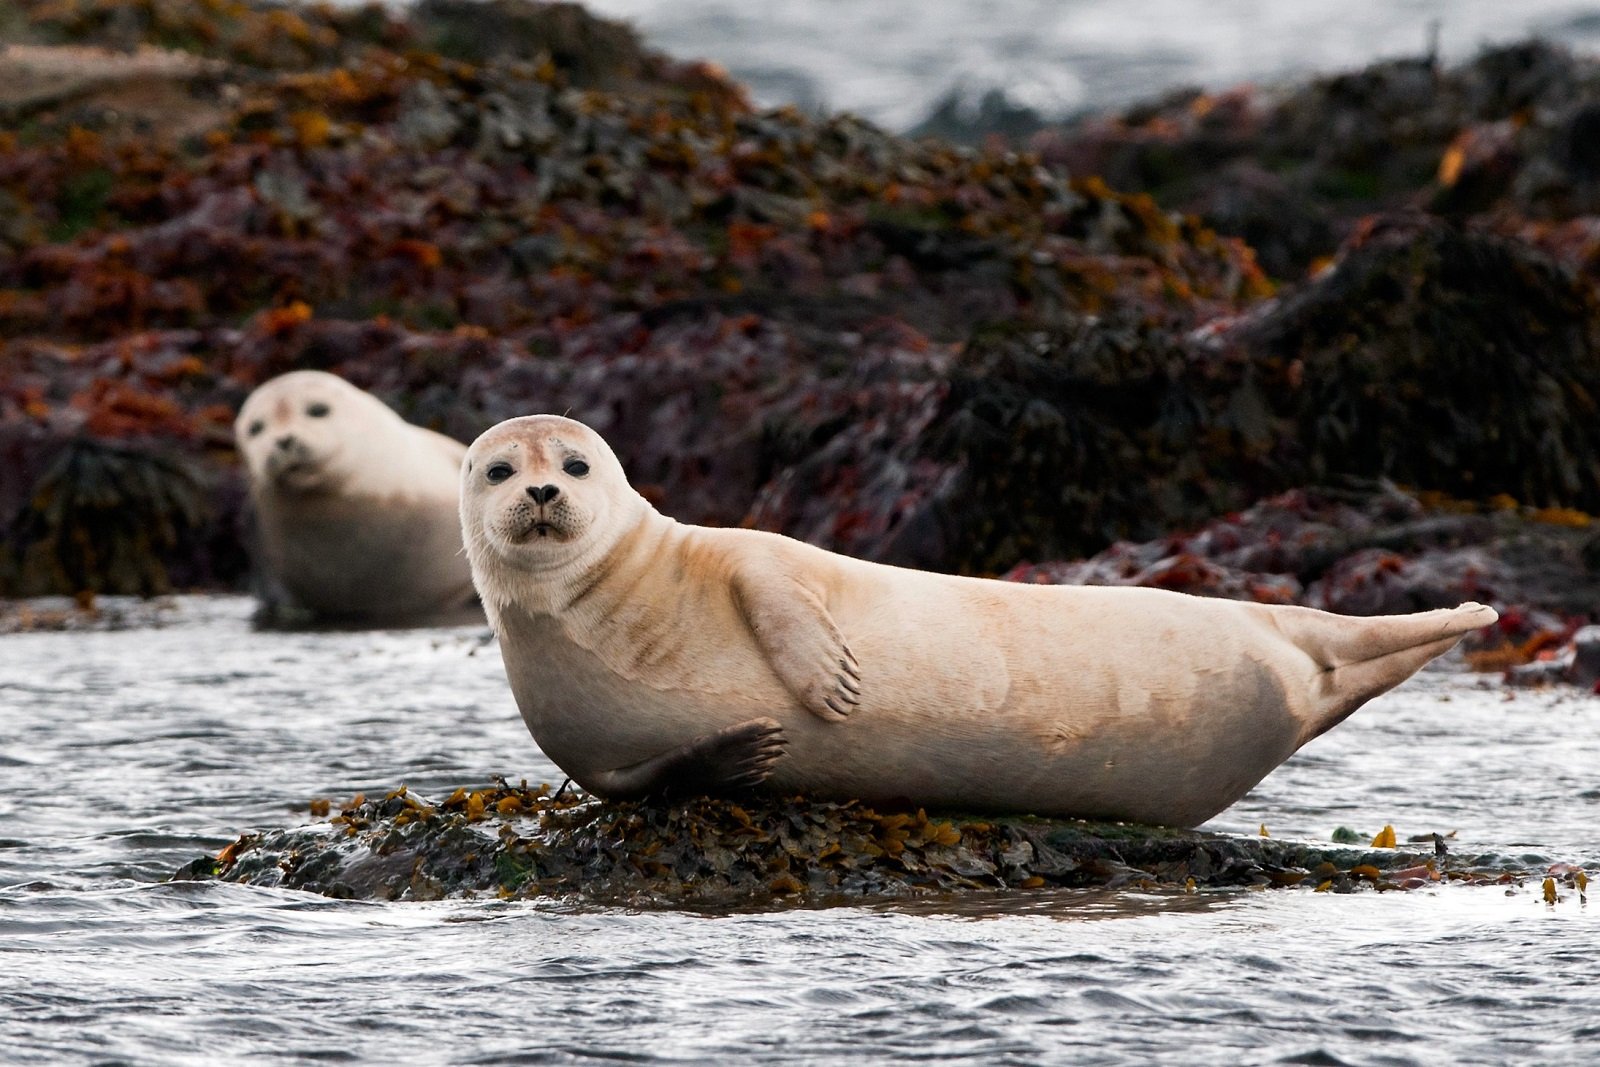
(124,755)
(894,60)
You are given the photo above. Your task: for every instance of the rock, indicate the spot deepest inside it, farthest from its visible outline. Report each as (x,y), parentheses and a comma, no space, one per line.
(803,324)
(524,843)
(1577,662)
(1293,169)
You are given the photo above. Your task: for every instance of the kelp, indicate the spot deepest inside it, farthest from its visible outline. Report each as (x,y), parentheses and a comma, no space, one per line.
(106,518)
(516,842)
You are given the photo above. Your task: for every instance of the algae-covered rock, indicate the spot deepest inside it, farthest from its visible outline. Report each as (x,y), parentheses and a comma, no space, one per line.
(1440,358)
(518,842)
(1427,354)
(106,518)
(483,217)
(910,351)
(1294,169)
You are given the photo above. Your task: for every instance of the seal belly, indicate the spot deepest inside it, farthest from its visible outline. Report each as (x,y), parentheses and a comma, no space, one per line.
(1057,718)
(571,696)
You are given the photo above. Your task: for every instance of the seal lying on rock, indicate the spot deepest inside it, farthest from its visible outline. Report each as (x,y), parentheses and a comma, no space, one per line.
(647,655)
(355,507)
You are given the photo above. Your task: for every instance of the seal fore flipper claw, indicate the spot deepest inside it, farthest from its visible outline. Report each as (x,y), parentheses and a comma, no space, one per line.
(802,644)
(740,756)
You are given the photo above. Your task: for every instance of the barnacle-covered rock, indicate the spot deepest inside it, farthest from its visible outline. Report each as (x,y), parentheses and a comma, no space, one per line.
(518,842)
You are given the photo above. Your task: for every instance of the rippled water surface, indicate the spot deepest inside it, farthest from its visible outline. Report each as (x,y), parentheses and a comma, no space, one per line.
(124,755)
(893,60)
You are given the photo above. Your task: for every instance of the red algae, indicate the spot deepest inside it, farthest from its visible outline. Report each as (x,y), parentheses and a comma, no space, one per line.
(802,324)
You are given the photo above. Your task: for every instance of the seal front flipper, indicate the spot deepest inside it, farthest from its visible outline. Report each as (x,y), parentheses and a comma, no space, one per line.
(740,756)
(802,643)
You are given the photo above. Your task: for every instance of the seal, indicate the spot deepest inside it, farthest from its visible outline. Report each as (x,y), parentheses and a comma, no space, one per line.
(651,656)
(356,510)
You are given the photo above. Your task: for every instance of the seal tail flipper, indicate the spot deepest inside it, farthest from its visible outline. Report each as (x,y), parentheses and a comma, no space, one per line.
(1361,657)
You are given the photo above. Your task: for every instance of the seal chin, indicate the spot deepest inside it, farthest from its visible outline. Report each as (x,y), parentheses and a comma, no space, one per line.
(298,475)
(521,529)
(540,532)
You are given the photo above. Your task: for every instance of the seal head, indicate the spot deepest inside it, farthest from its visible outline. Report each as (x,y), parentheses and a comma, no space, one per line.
(310,432)
(543,501)
(355,508)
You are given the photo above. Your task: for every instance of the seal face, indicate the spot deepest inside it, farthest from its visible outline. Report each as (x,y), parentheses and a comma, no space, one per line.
(355,508)
(647,655)
(296,433)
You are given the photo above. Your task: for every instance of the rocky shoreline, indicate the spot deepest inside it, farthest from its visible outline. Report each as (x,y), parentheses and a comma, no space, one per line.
(805,325)
(1337,344)
(516,842)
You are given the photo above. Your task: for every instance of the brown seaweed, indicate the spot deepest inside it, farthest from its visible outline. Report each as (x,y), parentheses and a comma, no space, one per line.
(520,842)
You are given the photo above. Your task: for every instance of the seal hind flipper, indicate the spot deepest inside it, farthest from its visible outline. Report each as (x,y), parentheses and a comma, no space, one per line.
(1340,640)
(740,756)
(1361,657)
(802,643)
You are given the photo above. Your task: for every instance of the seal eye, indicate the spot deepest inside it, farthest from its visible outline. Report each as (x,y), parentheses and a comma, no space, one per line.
(317,410)
(256,427)
(498,472)
(575,467)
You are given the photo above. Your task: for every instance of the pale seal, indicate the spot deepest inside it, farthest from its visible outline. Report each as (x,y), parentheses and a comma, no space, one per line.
(646,655)
(356,509)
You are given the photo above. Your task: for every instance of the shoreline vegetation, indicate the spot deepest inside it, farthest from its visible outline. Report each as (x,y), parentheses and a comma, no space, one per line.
(1335,343)
(515,842)
(1126,328)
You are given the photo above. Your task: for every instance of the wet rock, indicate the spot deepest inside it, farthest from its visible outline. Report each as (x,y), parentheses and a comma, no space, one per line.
(1372,549)
(1361,550)
(85,614)
(518,842)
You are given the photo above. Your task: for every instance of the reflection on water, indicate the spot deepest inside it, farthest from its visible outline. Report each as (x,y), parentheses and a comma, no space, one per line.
(1064,904)
(124,755)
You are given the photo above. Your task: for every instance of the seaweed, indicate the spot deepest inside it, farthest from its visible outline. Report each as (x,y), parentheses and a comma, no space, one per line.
(104,518)
(523,843)
(1294,169)
(962,358)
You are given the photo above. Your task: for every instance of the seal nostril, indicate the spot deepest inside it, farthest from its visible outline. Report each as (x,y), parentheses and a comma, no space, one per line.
(286,441)
(543,494)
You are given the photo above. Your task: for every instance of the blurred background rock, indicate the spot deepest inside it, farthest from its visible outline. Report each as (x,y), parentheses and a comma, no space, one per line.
(1073,332)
